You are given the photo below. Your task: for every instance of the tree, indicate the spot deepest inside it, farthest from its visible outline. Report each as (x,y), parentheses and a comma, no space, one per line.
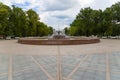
(42,29)
(66,30)
(115,11)
(116,30)
(72,31)
(18,22)
(32,18)
(4,19)
(84,22)
(50,30)
(97,22)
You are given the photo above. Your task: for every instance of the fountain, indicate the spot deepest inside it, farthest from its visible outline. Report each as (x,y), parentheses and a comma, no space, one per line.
(58,38)
(57,35)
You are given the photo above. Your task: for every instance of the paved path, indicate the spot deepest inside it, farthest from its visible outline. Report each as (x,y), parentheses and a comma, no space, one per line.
(99,61)
(73,67)
(105,46)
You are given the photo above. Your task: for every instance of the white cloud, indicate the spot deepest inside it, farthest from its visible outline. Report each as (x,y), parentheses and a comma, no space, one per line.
(6,2)
(58,5)
(84,3)
(59,12)
(102,4)
(113,1)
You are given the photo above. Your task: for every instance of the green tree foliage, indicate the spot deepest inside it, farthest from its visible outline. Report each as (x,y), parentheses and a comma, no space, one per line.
(17,22)
(97,22)
(32,18)
(66,30)
(50,30)
(4,19)
(42,29)
(116,18)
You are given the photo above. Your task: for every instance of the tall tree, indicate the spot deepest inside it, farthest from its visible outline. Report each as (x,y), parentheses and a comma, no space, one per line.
(18,22)
(84,22)
(66,30)
(4,19)
(32,18)
(42,29)
(107,24)
(97,22)
(50,30)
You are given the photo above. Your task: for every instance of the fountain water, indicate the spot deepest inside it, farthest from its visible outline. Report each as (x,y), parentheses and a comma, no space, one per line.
(57,35)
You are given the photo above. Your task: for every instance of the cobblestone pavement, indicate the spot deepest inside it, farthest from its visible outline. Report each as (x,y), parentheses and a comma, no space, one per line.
(104,66)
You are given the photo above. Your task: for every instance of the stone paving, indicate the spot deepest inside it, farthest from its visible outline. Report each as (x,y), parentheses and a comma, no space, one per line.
(104,66)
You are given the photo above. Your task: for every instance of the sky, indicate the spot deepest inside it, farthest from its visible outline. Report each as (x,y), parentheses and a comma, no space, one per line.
(59,13)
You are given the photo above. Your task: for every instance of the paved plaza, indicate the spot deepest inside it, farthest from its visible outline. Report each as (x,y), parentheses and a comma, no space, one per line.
(99,61)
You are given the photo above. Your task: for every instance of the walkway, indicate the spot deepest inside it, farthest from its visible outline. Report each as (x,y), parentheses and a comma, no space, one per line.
(74,62)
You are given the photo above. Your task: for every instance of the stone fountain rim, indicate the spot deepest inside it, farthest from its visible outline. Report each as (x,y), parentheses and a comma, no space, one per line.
(35,41)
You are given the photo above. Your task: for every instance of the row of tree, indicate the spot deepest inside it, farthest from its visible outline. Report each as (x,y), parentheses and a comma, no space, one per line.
(17,22)
(96,22)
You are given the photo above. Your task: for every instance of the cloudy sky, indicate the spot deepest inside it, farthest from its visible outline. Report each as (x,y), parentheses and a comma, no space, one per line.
(59,13)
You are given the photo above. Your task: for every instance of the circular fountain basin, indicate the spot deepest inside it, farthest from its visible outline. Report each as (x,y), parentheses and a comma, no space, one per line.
(57,41)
